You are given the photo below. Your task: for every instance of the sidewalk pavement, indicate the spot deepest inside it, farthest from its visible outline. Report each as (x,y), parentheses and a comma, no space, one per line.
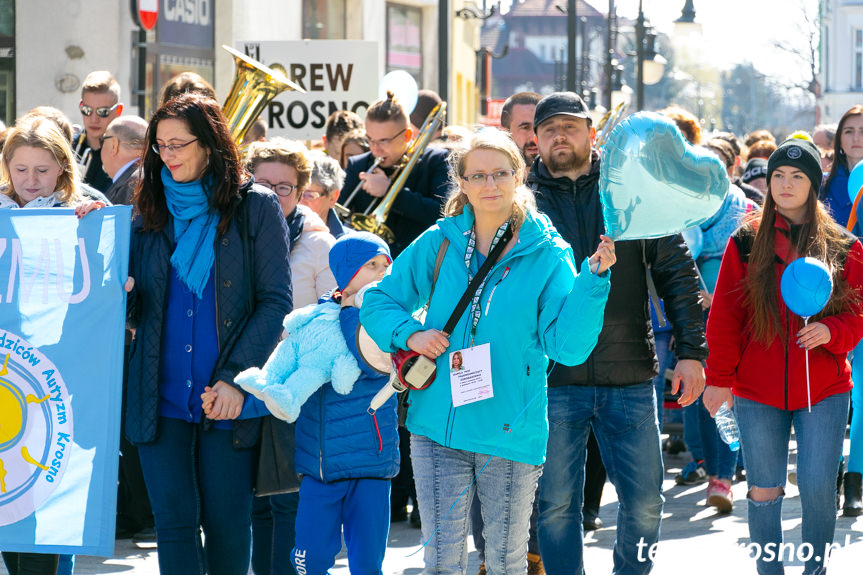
(695,539)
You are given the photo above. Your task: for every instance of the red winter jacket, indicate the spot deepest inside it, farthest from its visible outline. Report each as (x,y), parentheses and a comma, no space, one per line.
(776,374)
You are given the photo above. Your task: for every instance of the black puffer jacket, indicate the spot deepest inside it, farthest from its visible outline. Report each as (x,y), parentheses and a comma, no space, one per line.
(244,341)
(625,353)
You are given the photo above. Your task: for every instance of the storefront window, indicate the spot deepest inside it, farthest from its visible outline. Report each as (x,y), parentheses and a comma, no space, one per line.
(324,19)
(404,43)
(7,61)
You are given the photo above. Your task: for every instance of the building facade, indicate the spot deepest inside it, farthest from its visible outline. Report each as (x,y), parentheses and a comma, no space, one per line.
(47,48)
(841,76)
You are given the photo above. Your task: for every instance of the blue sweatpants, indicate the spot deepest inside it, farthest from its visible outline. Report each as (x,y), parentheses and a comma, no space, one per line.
(362,506)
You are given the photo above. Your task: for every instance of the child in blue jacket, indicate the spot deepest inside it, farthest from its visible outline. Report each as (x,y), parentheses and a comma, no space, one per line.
(345,455)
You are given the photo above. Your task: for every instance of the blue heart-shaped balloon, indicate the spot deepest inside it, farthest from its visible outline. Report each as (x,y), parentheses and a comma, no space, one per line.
(653,183)
(855,181)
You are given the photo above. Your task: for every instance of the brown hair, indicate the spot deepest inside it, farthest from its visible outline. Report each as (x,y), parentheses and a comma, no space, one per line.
(205,121)
(285,152)
(186,82)
(40,132)
(761,149)
(101,81)
(819,238)
(387,110)
(496,141)
(723,149)
(686,121)
(518,99)
(757,136)
(357,137)
(838,153)
(340,123)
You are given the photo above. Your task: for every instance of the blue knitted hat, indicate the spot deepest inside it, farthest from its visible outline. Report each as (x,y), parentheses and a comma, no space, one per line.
(351,252)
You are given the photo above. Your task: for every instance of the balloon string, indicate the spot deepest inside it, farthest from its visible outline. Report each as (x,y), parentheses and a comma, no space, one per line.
(700,277)
(808,393)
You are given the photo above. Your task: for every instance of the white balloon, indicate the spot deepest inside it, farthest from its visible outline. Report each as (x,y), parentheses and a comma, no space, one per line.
(403,86)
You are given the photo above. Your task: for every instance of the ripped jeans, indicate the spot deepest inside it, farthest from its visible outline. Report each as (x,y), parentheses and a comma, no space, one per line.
(764,433)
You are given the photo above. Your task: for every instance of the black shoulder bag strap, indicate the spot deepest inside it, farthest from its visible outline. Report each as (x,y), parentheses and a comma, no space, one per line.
(651,287)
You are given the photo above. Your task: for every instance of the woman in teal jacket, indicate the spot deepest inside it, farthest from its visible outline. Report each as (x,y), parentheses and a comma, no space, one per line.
(487,422)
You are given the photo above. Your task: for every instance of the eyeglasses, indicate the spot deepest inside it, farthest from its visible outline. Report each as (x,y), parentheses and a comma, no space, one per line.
(173,148)
(102,112)
(498,177)
(385,141)
(102,139)
(312,195)
(283,189)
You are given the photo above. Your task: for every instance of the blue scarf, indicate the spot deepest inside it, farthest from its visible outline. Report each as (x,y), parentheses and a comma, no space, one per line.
(194,230)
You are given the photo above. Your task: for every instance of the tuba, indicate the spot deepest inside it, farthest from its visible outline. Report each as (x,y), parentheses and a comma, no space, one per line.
(253,88)
(374,222)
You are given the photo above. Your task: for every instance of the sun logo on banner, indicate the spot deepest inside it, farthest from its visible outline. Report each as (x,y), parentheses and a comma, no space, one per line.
(35,428)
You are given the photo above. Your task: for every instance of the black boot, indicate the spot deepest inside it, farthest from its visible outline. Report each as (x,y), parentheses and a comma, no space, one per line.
(853,495)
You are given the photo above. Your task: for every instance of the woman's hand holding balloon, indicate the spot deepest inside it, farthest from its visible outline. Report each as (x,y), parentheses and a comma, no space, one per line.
(813,335)
(430,343)
(604,256)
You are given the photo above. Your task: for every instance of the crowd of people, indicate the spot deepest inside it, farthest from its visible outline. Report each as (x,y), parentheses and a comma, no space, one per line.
(545,343)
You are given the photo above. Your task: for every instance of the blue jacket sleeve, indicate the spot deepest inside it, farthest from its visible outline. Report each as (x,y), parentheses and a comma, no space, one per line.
(388,307)
(572,310)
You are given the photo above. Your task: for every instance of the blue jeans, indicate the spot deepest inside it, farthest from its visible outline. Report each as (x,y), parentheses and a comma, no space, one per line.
(361,506)
(719,460)
(855,455)
(273,533)
(692,431)
(764,433)
(506,490)
(197,479)
(626,428)
(666,360)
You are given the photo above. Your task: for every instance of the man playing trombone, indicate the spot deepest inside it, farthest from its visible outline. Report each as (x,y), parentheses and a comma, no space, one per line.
(418,204)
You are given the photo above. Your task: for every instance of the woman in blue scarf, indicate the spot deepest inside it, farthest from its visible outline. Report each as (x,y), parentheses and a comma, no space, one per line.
(209,257)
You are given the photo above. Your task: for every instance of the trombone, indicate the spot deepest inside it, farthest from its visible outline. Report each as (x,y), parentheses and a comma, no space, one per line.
(374,222)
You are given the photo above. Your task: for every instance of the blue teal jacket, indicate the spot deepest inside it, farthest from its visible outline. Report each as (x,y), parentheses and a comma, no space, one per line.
(534,307)
(336,437)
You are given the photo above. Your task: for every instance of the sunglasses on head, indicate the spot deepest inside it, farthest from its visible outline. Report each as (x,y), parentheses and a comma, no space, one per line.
(102,112)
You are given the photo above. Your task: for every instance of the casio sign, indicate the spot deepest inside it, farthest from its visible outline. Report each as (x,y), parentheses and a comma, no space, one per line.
(188,11)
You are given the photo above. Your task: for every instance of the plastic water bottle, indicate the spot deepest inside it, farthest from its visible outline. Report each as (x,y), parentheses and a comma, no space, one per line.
(726,424)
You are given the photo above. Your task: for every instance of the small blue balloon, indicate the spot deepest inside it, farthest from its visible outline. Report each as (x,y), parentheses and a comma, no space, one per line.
(694,239)
(855,181)
(653,183)
(806,286)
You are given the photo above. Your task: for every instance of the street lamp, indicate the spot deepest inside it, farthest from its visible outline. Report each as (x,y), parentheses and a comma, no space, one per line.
(650,65)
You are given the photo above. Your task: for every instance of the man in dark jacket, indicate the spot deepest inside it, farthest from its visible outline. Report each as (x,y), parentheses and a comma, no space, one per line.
(418,206)
(612,391)
(122,146)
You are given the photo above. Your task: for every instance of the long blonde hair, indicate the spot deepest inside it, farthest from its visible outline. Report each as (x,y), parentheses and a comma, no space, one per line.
(42,133)
(496,141)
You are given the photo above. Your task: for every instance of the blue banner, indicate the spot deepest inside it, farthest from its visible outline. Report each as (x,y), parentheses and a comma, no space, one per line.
(62,321)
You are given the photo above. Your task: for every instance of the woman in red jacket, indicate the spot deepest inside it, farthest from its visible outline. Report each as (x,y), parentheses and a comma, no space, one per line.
(757,353)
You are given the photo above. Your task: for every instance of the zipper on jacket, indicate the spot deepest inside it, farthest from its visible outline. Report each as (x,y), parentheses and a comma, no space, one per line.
(321,437)
(216,280)
(787,335)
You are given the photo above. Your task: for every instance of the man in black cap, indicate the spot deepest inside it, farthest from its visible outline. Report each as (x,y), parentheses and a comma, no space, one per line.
(612,392)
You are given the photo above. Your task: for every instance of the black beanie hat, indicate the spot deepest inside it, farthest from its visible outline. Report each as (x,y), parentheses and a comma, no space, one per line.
(426,101)
(798,153)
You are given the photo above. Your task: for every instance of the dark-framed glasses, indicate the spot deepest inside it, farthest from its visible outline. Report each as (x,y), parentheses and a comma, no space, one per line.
(102,139)
(283,189)
(498,177)
(102,112)
(173,148)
